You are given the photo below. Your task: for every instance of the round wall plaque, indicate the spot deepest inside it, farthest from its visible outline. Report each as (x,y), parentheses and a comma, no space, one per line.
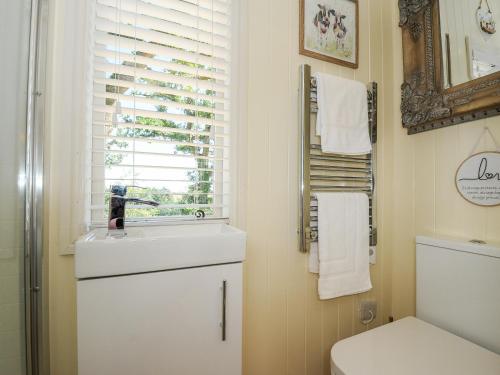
(478,179)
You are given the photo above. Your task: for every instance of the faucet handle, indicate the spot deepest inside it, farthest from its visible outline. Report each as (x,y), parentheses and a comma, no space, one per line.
(119,190)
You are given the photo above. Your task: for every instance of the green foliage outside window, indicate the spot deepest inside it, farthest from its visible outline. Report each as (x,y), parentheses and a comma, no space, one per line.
(201,181)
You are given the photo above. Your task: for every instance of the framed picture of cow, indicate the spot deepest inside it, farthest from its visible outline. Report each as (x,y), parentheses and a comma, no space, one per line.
(329,30)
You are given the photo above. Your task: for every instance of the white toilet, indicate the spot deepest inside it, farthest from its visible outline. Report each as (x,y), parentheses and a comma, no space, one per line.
(458,290)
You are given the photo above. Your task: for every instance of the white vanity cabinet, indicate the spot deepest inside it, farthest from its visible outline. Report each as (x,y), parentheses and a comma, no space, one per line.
(179,322)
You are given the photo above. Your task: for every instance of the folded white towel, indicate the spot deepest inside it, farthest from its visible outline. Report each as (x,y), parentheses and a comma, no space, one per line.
(314,258)
(343,245)
(342,120)
(313,250)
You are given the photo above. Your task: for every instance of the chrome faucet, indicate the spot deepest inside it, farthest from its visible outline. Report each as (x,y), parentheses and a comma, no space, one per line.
(117,203)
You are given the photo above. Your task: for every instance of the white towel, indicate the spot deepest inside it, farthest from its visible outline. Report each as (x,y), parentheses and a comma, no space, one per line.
(342,120)
(313,250)
(343,246)
(314,258)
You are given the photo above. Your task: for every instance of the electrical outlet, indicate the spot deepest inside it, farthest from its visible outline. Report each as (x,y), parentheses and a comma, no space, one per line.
(367,311)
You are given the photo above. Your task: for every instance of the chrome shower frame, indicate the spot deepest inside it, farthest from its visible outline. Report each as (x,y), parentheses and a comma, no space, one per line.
(34,264)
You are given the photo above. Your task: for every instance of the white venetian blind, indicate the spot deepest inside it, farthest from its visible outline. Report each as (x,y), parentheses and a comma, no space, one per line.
(161,104)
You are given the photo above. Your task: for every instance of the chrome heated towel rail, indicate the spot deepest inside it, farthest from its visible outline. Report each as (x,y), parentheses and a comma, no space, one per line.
(321,172)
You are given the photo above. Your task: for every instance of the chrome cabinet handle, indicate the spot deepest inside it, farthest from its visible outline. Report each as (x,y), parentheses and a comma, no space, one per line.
(224,296)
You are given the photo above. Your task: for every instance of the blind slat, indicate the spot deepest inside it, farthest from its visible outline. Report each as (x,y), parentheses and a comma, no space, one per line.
(160,141)
(139,73)
(131,206)
(215,5)
(160,115)
(138,179)
(153,89)
(158,129)
(118,43)
(154,62)
(158,102)
(159,154)
(195,193)
(175,10)
(165,167)
(194,32)
(161,38)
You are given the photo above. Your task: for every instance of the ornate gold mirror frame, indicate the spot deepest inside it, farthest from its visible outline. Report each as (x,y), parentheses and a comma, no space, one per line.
(425,104)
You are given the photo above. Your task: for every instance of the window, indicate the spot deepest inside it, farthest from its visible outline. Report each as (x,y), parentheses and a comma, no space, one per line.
(161,106)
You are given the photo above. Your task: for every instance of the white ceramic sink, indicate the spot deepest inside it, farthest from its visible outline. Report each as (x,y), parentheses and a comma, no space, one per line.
(157,248)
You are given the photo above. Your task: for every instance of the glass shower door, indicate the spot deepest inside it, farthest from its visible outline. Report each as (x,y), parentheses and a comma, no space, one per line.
(15,28)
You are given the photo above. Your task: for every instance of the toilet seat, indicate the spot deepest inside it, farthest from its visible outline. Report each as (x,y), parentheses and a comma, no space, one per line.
(411,347)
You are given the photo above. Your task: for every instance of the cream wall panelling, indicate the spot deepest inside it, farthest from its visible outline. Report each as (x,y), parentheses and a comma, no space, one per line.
(288,330)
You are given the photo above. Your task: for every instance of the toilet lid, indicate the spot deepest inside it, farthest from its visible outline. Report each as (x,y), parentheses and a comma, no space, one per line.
(412,347)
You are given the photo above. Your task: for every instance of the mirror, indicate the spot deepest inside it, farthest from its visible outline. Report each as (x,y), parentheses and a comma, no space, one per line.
(451,60)
(471,43)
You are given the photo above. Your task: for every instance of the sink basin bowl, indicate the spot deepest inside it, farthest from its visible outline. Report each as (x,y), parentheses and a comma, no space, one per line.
(157,248)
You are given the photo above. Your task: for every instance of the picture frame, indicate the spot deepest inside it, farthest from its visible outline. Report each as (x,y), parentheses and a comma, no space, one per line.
(329,31)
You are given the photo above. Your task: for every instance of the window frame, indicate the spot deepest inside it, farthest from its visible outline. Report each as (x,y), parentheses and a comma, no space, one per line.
(235,139)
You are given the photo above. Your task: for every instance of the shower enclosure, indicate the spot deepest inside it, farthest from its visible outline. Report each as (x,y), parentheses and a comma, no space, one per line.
(21,174)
